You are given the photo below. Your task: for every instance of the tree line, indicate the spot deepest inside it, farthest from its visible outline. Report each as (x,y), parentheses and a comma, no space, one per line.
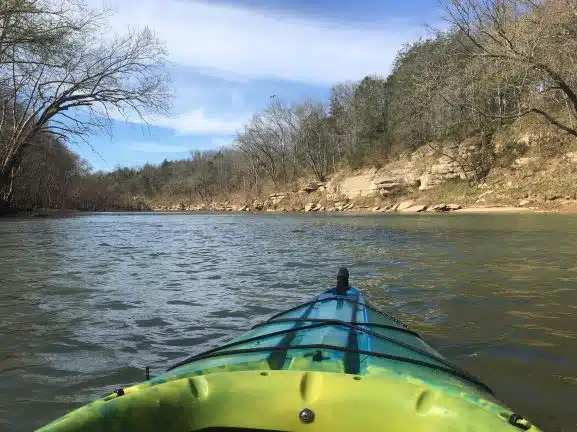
(500,60)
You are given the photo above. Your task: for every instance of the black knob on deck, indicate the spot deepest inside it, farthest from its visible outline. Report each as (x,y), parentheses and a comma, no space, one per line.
(342,281)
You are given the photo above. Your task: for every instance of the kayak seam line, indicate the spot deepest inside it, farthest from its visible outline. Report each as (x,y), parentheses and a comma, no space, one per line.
(245,341)
(368,306)
(388,339)
(450,371)
(320,322)
(332,320)
(352,362)
(277,361)
(342,323)
(366,319)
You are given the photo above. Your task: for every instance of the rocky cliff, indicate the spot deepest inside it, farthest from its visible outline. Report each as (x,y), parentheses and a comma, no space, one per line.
(437,177)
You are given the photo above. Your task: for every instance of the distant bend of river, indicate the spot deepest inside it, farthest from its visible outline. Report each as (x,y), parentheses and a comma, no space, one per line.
(88,302)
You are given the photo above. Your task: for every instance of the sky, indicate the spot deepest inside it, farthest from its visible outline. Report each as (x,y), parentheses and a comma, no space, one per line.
(227,57)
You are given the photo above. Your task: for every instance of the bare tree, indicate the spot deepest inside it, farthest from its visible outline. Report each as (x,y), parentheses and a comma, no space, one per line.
(345,128)
(313,140)
(535,38)
(46,174)
(269,140)
(76,85)
(359,116)
(203,177)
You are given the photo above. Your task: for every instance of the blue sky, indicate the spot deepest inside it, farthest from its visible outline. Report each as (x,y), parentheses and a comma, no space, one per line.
(228,56)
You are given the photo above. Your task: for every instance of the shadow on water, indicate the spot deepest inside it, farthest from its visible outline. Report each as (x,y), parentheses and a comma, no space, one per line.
(87,303)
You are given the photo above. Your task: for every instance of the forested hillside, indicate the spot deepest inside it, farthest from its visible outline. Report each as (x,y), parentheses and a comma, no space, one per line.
(501,61)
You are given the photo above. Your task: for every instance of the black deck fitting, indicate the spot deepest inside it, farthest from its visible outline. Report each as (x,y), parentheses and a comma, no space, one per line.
(342,281)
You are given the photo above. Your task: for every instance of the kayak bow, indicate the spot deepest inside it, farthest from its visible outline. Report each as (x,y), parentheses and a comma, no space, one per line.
(335,363)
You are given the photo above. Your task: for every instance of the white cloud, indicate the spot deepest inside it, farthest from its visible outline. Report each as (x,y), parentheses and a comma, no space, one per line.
(236,46)
(219,142)
(196,122)
(153,147)
(241,42)
(193,122)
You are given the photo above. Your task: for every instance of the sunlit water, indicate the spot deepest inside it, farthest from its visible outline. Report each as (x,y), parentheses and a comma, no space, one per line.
(87,303)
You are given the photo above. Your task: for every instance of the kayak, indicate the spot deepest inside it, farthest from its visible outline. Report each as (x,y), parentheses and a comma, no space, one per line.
(334,363)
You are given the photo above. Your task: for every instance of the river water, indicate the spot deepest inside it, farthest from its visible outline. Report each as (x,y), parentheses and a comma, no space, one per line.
(86,303)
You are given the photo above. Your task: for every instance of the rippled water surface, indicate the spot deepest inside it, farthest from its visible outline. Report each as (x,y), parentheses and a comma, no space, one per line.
(87,302)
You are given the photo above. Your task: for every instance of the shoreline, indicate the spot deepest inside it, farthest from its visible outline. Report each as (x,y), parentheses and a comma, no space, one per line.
(363,211)
(490,209)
